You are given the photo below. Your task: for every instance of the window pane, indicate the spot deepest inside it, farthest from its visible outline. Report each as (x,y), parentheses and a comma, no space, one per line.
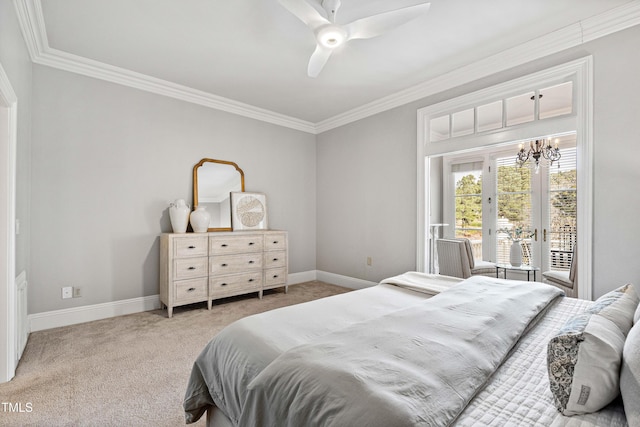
(520,109)
(514,209)
(463,123)
(556,100)
(490,116)
(468,201)
(563,219)
(439,128)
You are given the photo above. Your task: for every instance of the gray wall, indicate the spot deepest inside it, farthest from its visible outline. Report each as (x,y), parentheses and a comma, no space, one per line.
(15,60)
(108,159)
(367,174)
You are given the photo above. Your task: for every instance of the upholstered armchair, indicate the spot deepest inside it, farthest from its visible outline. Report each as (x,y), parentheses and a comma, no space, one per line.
(565,280)
(455,258)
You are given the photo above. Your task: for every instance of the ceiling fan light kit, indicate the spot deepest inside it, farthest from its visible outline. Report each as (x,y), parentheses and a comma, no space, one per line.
(329,35)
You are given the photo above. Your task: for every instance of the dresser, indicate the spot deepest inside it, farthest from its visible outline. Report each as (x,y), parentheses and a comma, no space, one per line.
(198,267)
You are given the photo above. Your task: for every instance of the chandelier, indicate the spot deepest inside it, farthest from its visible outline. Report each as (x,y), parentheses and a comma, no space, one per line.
(538,148)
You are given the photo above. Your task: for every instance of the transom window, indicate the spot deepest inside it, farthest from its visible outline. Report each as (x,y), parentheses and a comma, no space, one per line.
(539,104)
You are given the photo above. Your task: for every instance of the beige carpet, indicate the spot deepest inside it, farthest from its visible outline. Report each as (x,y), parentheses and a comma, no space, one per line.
(129,370)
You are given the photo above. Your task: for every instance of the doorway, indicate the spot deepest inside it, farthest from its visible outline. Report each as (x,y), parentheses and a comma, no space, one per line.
(8,135)
(490,199)
(497,116)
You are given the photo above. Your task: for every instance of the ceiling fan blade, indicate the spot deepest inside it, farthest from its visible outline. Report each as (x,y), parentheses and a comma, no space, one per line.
(305,12)
(318,59)
(375,25)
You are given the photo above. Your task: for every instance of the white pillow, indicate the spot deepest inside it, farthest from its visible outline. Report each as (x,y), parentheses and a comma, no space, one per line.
(630,376)
(584,358)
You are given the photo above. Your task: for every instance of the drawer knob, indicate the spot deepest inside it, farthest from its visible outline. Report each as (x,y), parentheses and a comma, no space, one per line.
(224,245)
(251,243)
(275,242)
(250,262)
(275,259)
(192,247)
(191,289)
(224,265)
(275,276)
(223,284)
(192,268)
(251,280)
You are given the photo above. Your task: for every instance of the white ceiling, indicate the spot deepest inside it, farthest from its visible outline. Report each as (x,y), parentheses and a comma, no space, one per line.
(256,52)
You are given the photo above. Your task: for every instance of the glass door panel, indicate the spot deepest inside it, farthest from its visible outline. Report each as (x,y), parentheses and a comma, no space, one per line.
(514,212)
(563,219)
(468,204)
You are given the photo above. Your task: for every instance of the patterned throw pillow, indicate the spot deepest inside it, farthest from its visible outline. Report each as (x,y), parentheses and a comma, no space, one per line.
(584,357)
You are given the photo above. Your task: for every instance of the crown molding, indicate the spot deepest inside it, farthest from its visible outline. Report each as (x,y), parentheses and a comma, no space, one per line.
(34,31)
(615,20)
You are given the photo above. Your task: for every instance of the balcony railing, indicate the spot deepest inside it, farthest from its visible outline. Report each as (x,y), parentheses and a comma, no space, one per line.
(561,252)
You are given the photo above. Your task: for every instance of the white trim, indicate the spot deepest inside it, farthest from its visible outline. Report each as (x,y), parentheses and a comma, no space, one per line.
(305,276)
(582,123)
(8,362)
(34,31)
(615,20)
(88,313)
(585,179)
(345,281)
(22,321)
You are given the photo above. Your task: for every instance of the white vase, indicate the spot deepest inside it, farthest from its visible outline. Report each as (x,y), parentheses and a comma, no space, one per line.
(515,254)
(200,219)
(179,215)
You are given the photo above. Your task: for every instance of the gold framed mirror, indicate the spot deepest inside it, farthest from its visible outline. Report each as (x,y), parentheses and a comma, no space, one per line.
(213,182)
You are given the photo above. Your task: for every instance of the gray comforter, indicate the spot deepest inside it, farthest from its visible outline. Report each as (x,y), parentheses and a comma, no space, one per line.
(415,366)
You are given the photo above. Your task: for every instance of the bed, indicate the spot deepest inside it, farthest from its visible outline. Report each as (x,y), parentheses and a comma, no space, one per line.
(384,356)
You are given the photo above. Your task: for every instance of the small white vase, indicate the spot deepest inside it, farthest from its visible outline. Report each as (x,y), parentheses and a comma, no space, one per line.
(515,254)
(179,215)
(200,219)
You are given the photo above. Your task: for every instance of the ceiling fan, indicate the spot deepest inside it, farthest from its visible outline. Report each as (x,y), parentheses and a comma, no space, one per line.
(321,19)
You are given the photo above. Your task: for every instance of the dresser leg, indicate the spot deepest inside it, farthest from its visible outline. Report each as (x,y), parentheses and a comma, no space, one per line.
(170,311)
(286,289)
(209,303)
(260,294)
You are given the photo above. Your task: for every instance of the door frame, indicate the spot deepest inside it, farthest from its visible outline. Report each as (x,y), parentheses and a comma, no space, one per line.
(581,121)
(8,144)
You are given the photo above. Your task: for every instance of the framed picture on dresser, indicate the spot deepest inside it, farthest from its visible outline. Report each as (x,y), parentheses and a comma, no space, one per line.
(248,211)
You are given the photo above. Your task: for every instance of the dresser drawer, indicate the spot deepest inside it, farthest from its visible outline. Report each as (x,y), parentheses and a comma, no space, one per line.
(275,259)
(186,268)
(275,241)
(275,277)
(229,264)
(220,245)
(230,285)
(190,246)
(191,290)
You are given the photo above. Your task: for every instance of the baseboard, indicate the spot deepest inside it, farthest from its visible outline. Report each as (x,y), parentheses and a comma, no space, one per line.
(305,276)
(346,281)
(88,313)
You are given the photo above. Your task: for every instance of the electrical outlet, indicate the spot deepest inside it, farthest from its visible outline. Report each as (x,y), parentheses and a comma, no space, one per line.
(67,292)
(369,261)
(76,293)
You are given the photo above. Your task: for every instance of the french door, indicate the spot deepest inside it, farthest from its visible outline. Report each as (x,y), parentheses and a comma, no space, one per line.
(539,207)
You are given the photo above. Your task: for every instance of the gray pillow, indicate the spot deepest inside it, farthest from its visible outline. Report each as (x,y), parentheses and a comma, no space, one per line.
(630,377)
(584,358)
